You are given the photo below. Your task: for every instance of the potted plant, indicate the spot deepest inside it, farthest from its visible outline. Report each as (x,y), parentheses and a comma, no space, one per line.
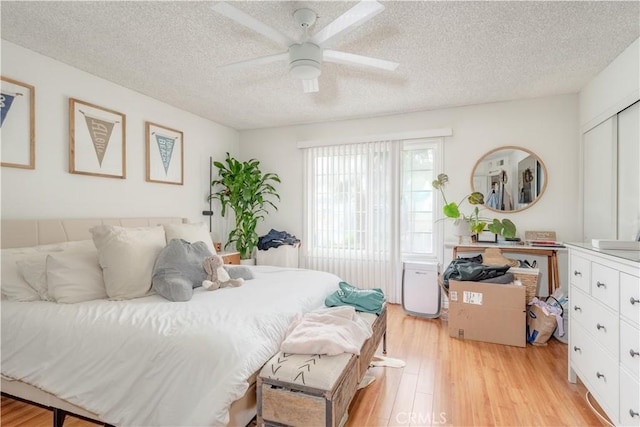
(472,224)
(245,189)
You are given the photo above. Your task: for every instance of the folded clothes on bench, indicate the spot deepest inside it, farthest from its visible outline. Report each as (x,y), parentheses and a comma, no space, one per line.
(365,300)
(327,331)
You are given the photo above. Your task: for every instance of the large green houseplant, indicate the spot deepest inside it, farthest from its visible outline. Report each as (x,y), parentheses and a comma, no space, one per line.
(477,223)
(245,189)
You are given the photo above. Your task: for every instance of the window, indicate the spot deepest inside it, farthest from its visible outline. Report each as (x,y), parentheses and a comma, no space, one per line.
(418,203)
(367,205)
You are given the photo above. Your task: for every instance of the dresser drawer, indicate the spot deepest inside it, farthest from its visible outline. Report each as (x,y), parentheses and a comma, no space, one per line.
(598,371)
(629,399)
(605,285)
(630,347)
(580,350)
(630,297)
(604,327)
(603,373)
(580,307)
(580,272)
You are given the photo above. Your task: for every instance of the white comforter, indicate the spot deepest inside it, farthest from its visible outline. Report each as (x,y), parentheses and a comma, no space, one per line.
(151,362)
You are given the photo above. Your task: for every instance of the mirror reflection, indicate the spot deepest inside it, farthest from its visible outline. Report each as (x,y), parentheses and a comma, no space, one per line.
(511,178)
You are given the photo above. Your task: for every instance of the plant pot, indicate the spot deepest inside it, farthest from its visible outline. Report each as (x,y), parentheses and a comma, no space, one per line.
(462,228)
(250,261)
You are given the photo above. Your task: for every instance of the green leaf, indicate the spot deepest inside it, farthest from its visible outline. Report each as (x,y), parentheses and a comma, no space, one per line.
(478,227)
(509,228)
(495,227)
(451,210)
(476,198)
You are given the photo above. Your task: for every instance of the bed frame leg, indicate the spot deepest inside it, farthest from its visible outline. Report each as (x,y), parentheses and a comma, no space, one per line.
(58,417)
(384,343)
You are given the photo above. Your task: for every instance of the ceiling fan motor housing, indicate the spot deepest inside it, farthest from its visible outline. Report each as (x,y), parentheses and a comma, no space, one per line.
(304,61)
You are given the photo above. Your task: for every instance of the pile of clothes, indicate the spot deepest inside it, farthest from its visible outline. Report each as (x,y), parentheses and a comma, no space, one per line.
(476,270)
(337,328)
(275,238)
(364,300)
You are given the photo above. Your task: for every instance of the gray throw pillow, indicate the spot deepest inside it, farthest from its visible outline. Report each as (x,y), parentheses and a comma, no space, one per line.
(178,269)
(239,271)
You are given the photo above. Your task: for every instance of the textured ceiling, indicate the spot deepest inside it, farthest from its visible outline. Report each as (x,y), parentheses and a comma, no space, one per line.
(450,53)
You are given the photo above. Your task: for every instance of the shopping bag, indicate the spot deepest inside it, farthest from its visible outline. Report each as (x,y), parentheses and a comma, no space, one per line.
(540,325)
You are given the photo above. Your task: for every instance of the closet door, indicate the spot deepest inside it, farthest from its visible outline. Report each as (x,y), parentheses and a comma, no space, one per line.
(599,177)
(628,174)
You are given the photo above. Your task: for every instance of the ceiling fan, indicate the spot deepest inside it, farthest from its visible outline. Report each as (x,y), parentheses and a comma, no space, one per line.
(305,56)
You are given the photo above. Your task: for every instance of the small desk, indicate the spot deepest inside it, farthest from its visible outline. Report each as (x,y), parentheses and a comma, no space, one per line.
(550,252)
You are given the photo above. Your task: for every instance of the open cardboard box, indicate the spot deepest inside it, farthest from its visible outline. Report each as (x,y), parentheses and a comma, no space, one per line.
(488,312)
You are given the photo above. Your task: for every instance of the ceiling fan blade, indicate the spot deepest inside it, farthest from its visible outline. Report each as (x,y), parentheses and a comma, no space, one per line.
(310,86)
(256,61)
(352,18)
(352,59)
(253,24)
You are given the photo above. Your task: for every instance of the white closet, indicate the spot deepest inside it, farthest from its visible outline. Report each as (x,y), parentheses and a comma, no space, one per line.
(628,166)
(611,177)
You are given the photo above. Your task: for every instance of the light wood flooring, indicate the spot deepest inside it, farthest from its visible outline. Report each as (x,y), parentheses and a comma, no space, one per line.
(445,381)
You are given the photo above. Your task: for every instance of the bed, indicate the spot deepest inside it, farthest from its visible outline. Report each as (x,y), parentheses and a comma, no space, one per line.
(149,361)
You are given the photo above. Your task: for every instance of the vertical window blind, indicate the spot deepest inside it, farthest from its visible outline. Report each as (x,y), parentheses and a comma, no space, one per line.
(351,226)
(368,205)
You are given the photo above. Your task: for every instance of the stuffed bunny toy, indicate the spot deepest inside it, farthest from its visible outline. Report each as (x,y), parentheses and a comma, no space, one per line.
(217,276)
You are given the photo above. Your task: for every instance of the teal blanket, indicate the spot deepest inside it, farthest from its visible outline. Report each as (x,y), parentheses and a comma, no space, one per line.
(367,300)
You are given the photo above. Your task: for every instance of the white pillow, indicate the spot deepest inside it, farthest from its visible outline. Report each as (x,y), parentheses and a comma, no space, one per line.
(127,256)
(33,267)
(197,232)
(75,277)
(34,271)
(14,287)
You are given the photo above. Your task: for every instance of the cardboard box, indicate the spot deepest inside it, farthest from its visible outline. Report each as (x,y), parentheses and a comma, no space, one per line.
(488,312)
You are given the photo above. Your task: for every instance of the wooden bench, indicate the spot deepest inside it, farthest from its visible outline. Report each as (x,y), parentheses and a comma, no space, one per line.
(324,385)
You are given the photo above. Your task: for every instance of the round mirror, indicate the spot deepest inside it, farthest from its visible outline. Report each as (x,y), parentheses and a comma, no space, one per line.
(511,179)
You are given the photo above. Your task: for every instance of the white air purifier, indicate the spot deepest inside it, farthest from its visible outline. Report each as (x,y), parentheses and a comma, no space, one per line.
(420,289)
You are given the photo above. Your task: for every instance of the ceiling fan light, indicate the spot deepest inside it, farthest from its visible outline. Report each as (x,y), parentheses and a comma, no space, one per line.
(305,69)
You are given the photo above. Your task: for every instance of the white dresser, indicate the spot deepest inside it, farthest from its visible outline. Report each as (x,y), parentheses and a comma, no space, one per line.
(604,328)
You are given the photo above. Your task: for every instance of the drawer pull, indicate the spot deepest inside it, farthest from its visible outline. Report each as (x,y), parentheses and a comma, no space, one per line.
(633,413)
(633,353)
(576,348)
(577,273)
(599,375)
(601,285)
(632,300)
(599,326)
(576,308)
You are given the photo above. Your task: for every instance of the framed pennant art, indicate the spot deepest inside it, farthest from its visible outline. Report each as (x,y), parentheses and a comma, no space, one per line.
(97,140)
(17,124)
(165,149)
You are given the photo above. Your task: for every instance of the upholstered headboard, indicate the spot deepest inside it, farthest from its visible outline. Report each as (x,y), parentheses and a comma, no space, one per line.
(18,233)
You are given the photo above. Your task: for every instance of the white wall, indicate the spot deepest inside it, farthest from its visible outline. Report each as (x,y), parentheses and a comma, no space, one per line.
(546,126)
(613,89)
(50,191)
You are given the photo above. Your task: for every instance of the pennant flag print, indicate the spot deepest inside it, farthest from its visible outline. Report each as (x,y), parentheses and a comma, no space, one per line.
(165,145)
(100,131)
(6,99)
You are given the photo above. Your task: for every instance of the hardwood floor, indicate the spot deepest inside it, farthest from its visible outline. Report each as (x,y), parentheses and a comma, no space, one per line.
(445,382)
